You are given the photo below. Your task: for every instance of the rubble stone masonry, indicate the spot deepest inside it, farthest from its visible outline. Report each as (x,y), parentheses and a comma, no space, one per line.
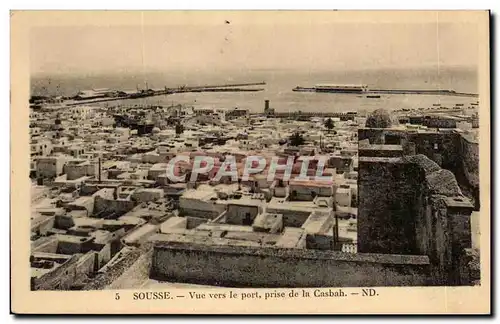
(238,266)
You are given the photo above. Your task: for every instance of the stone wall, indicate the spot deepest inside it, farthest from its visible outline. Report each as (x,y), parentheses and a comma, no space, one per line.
(58,279)
(450,150)
(113,272)
(390,195)
(470,167)
(272,267)
(381,150)
(441,147)
(470,153)
(87,264)
(412,206)
(103,252)
(76,269)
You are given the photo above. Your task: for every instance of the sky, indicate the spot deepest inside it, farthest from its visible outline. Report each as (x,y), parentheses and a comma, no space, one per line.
(233,45)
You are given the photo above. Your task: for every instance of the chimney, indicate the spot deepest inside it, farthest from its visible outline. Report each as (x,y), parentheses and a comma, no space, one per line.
(266,105)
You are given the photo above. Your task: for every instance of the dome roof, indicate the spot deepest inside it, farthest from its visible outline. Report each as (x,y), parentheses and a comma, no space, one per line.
(380,118)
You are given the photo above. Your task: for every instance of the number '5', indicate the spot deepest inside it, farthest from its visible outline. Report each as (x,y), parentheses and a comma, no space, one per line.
(117,296)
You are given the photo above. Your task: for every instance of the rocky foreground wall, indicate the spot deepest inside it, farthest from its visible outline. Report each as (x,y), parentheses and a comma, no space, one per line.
(238,266)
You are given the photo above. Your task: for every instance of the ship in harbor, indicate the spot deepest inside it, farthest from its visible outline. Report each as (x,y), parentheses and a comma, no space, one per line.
(335,88)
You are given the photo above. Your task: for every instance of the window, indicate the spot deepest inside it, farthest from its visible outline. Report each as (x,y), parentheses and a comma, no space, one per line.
(436,146)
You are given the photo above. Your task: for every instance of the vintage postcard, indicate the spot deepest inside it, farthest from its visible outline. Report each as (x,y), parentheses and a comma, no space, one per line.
(250,162)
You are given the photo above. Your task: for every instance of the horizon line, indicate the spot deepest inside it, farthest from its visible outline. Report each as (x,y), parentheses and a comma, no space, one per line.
(139,71)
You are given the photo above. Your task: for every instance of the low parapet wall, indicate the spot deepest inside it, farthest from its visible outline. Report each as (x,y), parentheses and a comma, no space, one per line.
(239,266)
(117,269)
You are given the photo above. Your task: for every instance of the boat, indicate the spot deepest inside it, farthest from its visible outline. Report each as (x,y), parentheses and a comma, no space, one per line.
(373,96)
(304,89)
(334,88)
(341,88)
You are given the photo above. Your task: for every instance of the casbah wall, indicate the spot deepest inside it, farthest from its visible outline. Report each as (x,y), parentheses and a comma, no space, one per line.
(450,150)
(412,206)
(470,153)
(239,266)
(389,195)
(470,168)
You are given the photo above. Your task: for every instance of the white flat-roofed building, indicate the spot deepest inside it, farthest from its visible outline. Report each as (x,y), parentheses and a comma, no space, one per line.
(343,195)
(200,203)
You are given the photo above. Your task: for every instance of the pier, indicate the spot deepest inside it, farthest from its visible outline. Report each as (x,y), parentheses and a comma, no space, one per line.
(230,87)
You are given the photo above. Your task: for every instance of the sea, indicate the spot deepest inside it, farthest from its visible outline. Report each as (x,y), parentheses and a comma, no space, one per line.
(278,88)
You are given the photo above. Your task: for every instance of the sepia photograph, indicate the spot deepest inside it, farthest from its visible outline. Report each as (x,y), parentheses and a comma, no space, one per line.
(188,156)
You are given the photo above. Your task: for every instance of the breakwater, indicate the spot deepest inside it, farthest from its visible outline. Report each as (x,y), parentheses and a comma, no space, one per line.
(232,87)
(422,92)
(391,91)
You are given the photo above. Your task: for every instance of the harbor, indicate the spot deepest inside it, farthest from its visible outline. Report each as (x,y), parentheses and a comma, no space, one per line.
(250,95)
